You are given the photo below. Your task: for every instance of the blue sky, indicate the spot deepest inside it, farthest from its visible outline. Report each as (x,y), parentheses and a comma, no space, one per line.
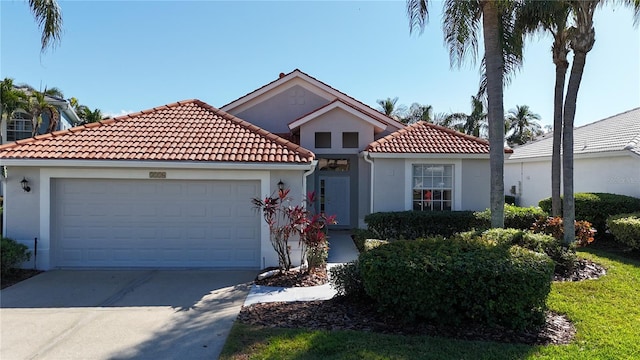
(125,56)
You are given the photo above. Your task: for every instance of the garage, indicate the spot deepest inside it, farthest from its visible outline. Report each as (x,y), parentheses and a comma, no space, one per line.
(154,223)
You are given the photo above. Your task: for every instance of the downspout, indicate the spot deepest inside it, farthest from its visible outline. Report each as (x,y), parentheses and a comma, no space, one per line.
(314,164)
(367,158)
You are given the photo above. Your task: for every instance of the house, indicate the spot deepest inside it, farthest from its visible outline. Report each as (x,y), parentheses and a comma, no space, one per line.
(172,186)
(606,159)
(19,126)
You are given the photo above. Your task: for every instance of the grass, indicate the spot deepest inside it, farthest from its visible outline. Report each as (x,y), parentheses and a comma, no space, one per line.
(606,313)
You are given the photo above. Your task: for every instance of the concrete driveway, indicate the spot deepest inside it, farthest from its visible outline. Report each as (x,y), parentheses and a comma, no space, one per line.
(117,314)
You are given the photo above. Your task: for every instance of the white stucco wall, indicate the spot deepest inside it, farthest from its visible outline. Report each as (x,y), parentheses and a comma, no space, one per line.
(27,215)
(617,174)
(336,122)
(476,184)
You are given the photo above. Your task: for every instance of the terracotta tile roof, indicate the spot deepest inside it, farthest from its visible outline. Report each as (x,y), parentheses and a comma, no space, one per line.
(189,130)
(426,138)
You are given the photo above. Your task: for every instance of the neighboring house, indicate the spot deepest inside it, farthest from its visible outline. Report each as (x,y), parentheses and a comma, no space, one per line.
(20,125)
(606,159)
(172,186)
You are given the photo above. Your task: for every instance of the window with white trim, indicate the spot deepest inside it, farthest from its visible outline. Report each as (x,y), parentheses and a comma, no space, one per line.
(19,127)
(432,187)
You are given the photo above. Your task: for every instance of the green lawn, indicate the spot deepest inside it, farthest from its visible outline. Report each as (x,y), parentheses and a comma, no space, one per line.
(606,313)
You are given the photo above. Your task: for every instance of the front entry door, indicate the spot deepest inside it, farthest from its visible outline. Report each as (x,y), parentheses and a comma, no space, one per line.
(334,198)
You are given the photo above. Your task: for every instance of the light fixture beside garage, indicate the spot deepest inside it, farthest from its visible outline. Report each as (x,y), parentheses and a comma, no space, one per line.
(280,185)
(25,184)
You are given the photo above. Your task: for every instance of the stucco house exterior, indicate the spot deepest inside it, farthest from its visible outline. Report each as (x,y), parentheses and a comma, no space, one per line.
(606,159)
(172,186)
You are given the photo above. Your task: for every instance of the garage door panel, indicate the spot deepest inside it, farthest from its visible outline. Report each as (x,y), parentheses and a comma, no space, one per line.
(155,223)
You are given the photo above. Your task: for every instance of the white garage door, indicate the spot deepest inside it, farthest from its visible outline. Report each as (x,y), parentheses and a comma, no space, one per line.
(155,223)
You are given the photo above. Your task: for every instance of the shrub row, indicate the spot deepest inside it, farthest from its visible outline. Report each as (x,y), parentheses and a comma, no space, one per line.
(465,278)
(597,207)
(415,224)
(626,228)
(12,254)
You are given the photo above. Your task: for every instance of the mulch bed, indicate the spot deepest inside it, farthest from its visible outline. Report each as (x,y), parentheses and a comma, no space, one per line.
(294,278)
(340,313)
(17,275)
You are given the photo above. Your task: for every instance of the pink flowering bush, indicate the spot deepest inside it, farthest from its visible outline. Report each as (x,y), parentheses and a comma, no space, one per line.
(286,220)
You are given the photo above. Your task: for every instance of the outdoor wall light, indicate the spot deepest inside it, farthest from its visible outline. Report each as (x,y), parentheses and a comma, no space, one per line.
(25,185)
(280,185)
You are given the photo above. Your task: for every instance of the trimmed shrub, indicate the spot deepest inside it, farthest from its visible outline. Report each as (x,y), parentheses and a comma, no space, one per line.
(360,236)
(459,280)
(565,259)
(415,224)
(12,254)
(373,243)
(515,217)
(554,226)
(597,207)
(626,228)
(346,279)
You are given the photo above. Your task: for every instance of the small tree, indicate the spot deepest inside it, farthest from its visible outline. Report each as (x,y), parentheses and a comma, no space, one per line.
(286,220)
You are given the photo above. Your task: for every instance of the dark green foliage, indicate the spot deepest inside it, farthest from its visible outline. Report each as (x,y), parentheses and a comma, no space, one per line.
(564,258)
(12,254)
(415,224)
(451,281)
(515,217)
(597,207)
(347,281)
(360,236)
(626,228)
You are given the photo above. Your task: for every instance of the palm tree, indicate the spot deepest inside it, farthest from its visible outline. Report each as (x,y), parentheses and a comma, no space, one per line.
(474,123)
(418,112)
(523,124)
(92,116)
(552,16)
(37,105)
(388,107)
(48,15)
(11,99)
(461,23)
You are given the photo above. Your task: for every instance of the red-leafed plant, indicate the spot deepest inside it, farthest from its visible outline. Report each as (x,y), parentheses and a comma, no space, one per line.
(286,220)
(553,226)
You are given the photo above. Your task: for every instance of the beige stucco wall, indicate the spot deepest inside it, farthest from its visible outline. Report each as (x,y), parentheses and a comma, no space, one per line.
(276,112)
(617,174)
(336,122)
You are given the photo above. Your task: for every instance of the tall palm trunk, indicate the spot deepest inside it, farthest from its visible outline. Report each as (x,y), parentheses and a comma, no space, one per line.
(569,215)
(495,68)
(558,101)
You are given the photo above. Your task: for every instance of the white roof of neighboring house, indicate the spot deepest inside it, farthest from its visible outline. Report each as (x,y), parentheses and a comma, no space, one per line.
(616,133)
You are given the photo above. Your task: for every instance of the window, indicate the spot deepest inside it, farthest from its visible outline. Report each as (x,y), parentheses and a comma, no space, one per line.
(432,187)
(323,140)
(350,140)
(19,127)
(333,164)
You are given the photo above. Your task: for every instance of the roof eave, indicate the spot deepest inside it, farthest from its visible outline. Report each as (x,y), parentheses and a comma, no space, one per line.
(217,165)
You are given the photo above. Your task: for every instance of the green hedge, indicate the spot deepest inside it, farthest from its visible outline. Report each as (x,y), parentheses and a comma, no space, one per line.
(360,236)
(597,207)
(515,217)
(452,281)
(347,281)
(626,228)
(409,225)
(415,224)
(12,254)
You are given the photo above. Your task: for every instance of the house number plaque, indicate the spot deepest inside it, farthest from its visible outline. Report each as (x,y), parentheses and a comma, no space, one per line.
(157,174)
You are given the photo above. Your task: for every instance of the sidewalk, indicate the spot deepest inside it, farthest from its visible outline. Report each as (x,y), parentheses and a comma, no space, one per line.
(341,250)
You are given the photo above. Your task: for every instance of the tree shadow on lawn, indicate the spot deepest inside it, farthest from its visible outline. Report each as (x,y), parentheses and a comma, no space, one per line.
(246,341)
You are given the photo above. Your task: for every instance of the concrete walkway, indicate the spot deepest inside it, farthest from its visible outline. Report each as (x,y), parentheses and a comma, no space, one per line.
(118,314)
(341,250)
